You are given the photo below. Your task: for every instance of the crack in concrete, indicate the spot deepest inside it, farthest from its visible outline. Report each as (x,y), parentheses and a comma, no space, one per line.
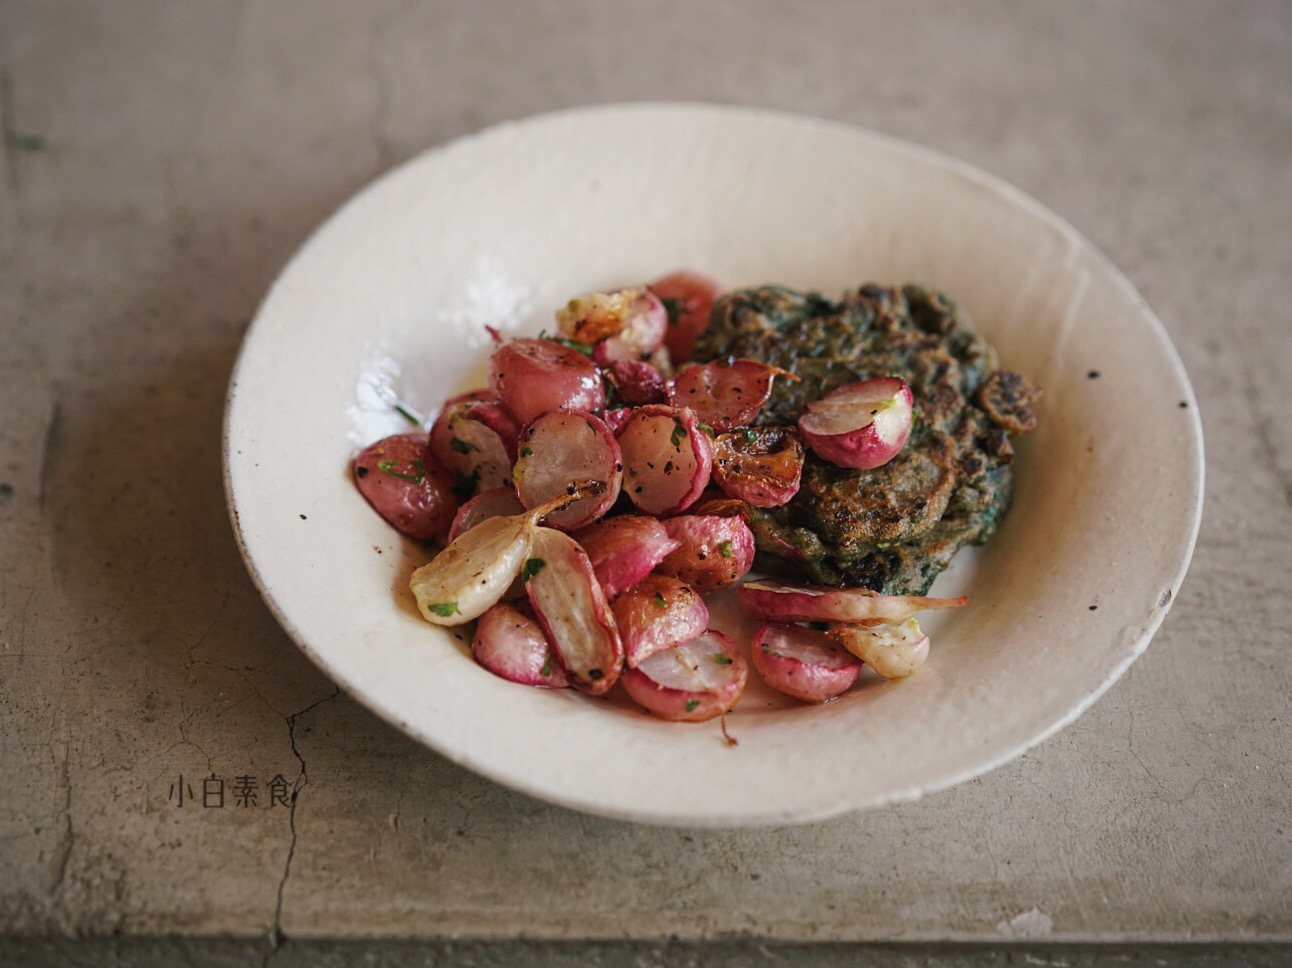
(46,446)
(69,832)
(8,133)
(381,88)
(1261,425)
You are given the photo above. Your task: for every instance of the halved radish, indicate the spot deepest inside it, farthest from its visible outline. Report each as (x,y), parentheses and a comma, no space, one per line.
(636,382)
(691,682)
(476,441)
(510,642)
(713,552)
(399,478)
(564,446)
(803,663)
(783,601)
(688,297)
(487,504)
(893,651)
(533,376)
(667,458)
(761,466)
(616,418)
(641,334)
(597,316)
(860,425)
(726,393)
(572,607)
(624,550)
(658,613)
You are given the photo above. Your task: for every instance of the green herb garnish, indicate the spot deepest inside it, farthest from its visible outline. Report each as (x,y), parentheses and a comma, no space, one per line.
(462,446)
(678,435)
(709,430)
(408,413)
(387,467)
(659,600)
(526,452)
(547,666)
(725,548)
(532,567)
(674,309)
(691,704)
(721,659)
(445,609)
(751,437)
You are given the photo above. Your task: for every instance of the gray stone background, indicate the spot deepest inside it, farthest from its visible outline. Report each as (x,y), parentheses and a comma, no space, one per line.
(161,161)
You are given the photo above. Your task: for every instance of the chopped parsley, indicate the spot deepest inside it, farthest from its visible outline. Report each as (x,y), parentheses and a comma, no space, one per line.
(408,413)
(721,659)
(725,548)
(674,309)
(709,430)
(462,446)
(444,609)
(691,704)
(659,600)
(388,467)
(751,437)
(547,666)
(532,567)
(526,452)
(679,434)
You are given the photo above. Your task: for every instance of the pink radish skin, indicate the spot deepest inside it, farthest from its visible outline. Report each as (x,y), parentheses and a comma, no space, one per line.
(781,601)
(573,610)
(616,418)
(667,458)
(724,394)
(624,550)
(400,480)
(762,467)
(692,682)
(642,333)
(564,446)
(637,382)
(472,396)
(862,425)
(494,503)
(658,613)
(690,297)
(510,643)
(532,376)
(713,552)
(476,441)
(893,651)
(803,662)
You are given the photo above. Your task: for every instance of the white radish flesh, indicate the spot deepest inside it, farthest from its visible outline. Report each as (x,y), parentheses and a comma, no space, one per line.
(559,448)
(510,643)
(570,604)
(780,601)
(398,477)
(760,466)
(474,572)
(658,613)
(893,651)
(667,458)
(624,550)
(713,552)
(862,425)
(532,376)
(803,663)
(641,334)
(596,316)
(727,393)
(692,682)
(476,441)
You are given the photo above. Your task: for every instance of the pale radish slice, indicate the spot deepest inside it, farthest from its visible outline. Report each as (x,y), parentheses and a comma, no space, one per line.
(494,503)
(572,607)
(399,479)
(726,393)
(636,382)
(761,466)
(476,441)
(642,332)
(782,601)
(691,682)
(510,642)
(688,298)
(658,613)
(860,425)
(624,550)
(713,551)
(667,458)
(893,651)
(533,376)
(803,663)
(565,446)
(596,316)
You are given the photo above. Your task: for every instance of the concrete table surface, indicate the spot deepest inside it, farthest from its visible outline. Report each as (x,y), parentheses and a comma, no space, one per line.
(161,162)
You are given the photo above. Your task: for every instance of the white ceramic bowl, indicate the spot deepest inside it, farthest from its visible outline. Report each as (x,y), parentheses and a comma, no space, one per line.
(391,295)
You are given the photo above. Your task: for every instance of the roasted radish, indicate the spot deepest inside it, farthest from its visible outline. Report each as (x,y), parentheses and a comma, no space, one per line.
(398,477)
(761,466)
(642,332)
(616,418)
(860,425)
(713,552)
(658,613)
(893,651)
(783,601)
(510,642)
(565,446)
(476,441)
(803,663)
(597,316)
(636,382)
(624,550)
(727,393)
(688,298)
(569,602)
(487,504)
(533,376)
(691,682)
(667,458)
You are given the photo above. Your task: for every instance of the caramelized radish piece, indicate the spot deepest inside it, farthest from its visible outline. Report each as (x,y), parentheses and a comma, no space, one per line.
(533,376)
(398,477)
(688,298)
(658,613)
(803,663)
(727,393)
(637,382)
(510,642)
(487,504)
(624,550)
(893,651)
(597,316)
(760,466)
(861,425)
(691,682)
(565,446)
(642,332)
(724,506)
(476,441)
(667,458)
(572,607)
(713,552)
(783,601)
